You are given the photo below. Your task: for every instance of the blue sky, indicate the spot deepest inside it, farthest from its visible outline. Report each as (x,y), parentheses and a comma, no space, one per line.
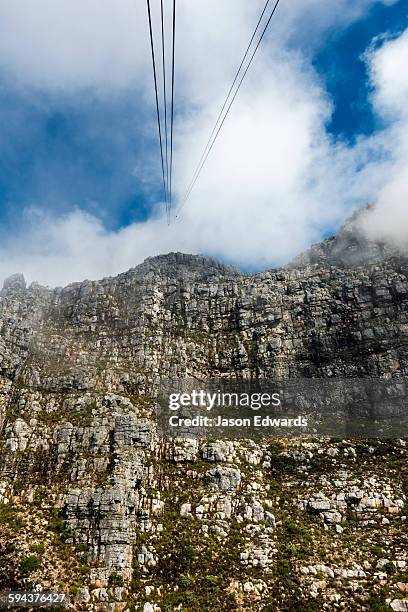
(341,65)
(72,154)
(83,146)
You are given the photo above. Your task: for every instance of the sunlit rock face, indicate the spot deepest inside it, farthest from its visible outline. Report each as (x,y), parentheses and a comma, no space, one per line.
(106,508)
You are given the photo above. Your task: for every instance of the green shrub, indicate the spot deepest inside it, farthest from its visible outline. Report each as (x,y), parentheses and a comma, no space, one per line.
(390,568)
(115,580)
(30,564)
(292,528)
(57,524)
(186,581)
(37,548)
(377,604)
(189,552)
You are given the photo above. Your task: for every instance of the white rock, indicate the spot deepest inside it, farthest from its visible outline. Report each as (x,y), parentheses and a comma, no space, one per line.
(83,595)
(399,605)
(185,510)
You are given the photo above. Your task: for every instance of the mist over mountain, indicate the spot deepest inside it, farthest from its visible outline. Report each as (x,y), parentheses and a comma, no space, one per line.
(101,506)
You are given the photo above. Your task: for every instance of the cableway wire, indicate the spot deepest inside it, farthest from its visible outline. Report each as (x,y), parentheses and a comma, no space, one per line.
(157,102)
(229,93)
(165,110)
(172,103)
(208,147)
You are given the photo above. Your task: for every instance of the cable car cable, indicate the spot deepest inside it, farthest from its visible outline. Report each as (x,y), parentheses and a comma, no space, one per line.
(197,174)
(157,98)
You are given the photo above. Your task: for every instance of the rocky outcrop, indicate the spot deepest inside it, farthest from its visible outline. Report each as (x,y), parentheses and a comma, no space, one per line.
(350,247)
(103,508)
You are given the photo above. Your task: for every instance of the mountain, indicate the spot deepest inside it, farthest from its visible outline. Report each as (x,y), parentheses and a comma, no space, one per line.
(350,247)
(98,505)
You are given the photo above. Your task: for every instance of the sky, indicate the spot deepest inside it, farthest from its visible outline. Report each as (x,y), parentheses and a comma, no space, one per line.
(319,128)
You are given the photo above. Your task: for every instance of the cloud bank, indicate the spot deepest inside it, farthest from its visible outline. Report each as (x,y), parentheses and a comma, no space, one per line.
(388,221)
(275,180)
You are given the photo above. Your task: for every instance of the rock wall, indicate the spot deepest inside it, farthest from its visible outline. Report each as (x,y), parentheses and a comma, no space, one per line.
(99,506)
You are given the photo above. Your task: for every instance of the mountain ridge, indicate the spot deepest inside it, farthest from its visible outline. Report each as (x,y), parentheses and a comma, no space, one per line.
(104,508)
(348,248)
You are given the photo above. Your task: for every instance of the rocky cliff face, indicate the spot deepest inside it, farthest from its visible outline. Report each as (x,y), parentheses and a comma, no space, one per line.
(93,502)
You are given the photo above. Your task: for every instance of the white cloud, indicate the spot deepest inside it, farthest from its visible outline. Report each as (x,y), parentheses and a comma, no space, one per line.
(72,44)
(275,179)
(389,219)
(59,250)
(69,45)
(390,78)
